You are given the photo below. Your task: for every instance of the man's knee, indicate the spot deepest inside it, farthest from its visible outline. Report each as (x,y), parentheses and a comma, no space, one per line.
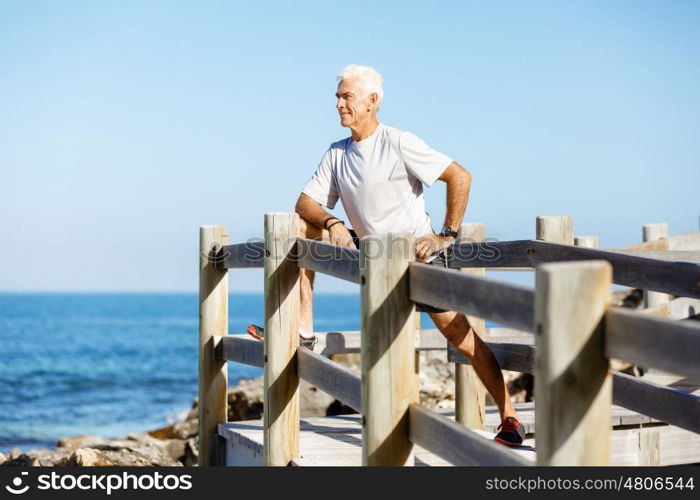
(455,328)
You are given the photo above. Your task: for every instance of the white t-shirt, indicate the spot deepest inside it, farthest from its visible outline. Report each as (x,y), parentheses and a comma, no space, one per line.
(381,190)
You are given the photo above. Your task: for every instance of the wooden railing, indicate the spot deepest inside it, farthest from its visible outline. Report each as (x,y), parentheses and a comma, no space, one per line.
(575,330)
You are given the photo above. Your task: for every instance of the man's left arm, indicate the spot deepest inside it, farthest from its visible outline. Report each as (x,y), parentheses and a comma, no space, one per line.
(458,181)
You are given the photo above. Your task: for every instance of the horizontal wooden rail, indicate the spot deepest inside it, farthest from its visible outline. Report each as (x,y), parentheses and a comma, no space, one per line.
(676,272)
(678,278)
(490,254)
(678,242)
(242,348)
(239,348)
(678,308)
(683,307)
(455,443)
(336,261)
(504,303)
(692,257)
(662,403)
(653,342)
(330,377)
(684,241)
(513,357)
(241,255)
(348,342)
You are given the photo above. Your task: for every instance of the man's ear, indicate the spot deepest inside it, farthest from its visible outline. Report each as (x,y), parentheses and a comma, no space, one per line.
(373,98)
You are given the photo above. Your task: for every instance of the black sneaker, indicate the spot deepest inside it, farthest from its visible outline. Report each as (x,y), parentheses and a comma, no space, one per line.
(512,432)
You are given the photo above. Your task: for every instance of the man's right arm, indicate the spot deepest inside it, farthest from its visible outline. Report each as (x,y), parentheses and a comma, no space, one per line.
(311,211)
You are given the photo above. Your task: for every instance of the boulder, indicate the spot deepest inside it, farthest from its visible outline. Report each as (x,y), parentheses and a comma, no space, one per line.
(22,460)
(91,457)
(245,400)
(72,443)
(191,456)
(128,452)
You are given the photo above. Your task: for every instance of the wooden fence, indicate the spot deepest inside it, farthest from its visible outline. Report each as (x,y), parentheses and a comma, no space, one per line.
(576,331)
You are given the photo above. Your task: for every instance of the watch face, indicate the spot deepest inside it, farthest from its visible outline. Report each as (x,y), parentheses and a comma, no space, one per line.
(448,231)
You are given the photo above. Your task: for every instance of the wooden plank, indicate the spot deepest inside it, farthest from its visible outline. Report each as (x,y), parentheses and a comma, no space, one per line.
(322,257)
(684,241)
(513,357)
(678,446)
(683,307)
(389,361)
(586,241)
(347,342)
(242,255)
(336,441)
(572,382)
(455,443)
(678,278)
(504,303)
(692,257)
(678,308)
(660,245)
(655,342)
(282,317)
(213,321)
(663,403)
(490,254)
(330,377)
(241,349)
(470,393)
(653,232)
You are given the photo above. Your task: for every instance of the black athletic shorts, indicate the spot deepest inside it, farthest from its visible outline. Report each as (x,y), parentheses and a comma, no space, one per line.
(440,260)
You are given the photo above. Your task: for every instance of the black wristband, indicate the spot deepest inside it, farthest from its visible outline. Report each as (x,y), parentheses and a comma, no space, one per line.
(325,222)
(336,222)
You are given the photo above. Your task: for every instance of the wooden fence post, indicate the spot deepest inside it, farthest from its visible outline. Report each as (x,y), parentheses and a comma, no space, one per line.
(213,320)
(555,228)
(573,386)
(586,241)
(654,232)
(470,393)
(389,375)
(282,315)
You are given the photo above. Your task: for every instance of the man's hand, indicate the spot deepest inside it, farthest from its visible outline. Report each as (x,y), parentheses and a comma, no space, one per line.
(430,243)
(340,236)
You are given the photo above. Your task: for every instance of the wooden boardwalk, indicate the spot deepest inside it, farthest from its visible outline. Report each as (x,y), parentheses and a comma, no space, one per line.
(573,327)
(337,441)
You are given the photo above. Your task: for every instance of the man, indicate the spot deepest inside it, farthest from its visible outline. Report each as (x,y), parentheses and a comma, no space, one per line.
(378,173)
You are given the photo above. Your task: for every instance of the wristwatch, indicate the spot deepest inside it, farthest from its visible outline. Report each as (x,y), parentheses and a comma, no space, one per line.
(448,231)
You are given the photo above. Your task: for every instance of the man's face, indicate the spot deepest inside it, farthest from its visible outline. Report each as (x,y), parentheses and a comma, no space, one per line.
(353,105)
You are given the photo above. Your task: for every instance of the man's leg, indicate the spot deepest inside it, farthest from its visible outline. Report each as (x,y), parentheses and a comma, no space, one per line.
(455,327)
(311,232)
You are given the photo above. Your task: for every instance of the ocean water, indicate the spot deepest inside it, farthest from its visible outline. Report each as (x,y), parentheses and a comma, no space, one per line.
(112,364)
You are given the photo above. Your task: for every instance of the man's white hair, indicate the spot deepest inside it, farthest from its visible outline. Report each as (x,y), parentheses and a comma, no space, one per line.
(370,79)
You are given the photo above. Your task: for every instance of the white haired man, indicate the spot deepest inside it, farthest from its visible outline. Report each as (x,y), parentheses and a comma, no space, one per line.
(378,173)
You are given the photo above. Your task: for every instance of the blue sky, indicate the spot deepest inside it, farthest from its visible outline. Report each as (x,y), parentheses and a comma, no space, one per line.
(125,125)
